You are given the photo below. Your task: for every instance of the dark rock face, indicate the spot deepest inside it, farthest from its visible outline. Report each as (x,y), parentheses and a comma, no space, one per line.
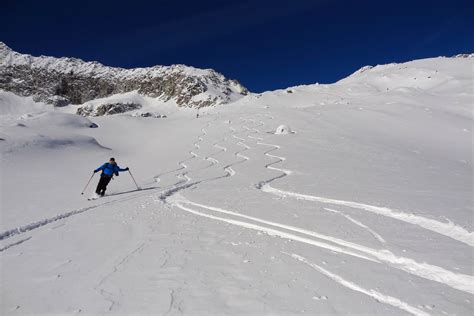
(107,109)
(150,114)
(63,81)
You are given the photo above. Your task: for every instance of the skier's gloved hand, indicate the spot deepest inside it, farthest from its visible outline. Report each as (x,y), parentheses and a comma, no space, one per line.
(127,169)
(95,171)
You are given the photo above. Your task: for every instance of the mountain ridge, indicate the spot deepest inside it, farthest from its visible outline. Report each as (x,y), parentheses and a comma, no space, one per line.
(66,80)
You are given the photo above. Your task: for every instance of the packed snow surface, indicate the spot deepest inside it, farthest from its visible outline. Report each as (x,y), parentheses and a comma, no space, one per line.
(366,210)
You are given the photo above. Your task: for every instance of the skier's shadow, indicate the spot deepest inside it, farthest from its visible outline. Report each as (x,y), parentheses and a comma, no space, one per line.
(136,190)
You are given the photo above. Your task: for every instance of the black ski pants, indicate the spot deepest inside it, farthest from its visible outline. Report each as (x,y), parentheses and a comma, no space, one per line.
(102,185)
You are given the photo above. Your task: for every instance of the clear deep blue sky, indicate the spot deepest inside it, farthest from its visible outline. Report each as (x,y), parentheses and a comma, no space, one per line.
(264,44)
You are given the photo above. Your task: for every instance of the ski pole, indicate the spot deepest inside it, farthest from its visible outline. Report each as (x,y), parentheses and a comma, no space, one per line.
(82,193)
(138,188)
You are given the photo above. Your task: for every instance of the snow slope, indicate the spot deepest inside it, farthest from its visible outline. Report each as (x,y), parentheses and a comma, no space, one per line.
(365,208)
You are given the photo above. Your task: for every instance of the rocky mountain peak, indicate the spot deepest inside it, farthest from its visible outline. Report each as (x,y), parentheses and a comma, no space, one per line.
(3,46)
(63,81)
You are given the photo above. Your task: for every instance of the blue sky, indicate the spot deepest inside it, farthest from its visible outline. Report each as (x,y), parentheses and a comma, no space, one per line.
(264,44)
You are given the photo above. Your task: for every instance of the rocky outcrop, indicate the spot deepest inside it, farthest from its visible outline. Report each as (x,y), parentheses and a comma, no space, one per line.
(107,109)
(464,56)
(63,81)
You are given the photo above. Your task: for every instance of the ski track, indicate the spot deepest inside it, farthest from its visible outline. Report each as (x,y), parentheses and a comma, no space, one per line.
(424,270)
(385,299)
(434,273)
(110,297)
(448,229)
(15,244)
(271,232)
(229,172)
(32,226)
(372,232)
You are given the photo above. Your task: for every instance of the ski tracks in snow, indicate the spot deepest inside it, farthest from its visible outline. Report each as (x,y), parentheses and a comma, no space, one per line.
(427,271)
(35,225)
(448,229)
(186,181)
(386,299)
(309,237)
(424,270)
(371,231)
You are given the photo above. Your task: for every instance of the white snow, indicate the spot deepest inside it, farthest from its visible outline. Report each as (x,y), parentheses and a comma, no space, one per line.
(366,210)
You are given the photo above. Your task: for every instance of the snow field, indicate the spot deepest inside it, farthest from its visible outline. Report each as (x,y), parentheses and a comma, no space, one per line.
(367,209)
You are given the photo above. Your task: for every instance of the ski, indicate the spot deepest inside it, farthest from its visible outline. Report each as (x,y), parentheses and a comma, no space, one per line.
(94,198)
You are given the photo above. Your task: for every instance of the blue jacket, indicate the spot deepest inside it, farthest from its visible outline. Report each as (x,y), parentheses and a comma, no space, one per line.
(109,169)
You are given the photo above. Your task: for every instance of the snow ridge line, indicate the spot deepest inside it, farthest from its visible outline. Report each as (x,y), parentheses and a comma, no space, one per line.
(386,299)
(447,229)
(424,270)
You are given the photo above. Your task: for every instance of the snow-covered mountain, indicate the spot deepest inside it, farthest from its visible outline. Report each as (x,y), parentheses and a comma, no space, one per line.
(63,81)
(352,198)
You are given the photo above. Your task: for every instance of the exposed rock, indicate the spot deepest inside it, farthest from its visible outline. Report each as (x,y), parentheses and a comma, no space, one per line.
(149,114)
(107,109)
(464,56)
(63,81)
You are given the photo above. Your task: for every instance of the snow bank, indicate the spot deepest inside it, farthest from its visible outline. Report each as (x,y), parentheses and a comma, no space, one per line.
(14,105)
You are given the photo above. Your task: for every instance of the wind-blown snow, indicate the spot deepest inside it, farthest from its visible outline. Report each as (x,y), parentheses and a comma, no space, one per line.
(366,209)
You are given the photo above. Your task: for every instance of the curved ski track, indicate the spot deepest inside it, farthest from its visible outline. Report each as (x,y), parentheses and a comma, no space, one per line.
(430,272)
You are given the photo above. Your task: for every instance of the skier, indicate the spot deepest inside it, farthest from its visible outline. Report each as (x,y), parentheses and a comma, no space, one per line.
(108,170)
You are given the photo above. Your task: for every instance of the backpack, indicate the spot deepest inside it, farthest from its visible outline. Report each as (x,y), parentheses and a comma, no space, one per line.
(116,173)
